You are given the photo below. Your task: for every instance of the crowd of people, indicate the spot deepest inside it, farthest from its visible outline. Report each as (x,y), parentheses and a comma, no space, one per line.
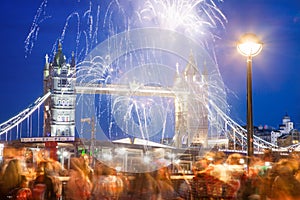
(215,176)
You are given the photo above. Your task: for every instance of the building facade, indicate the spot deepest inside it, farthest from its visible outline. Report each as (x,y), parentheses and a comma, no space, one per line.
(191,114)
(59,110)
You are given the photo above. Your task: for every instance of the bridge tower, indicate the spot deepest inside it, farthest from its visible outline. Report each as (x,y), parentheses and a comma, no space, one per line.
(47,103)
(59,109)
(190,108)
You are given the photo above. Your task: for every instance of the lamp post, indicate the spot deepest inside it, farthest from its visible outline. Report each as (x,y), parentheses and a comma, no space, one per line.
(249,45)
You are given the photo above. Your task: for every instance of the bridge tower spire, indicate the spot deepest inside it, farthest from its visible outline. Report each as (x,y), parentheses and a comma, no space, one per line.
(190,108)
(63,95)
(59,109)
(47,103)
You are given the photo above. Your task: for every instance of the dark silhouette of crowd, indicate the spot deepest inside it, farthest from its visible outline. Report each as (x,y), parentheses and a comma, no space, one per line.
(216,176)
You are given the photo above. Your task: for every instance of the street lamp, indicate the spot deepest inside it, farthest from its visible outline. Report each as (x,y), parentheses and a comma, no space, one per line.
(249,45)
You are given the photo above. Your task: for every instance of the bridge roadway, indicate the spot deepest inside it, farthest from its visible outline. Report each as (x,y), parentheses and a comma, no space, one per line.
(237,133)
(133,89)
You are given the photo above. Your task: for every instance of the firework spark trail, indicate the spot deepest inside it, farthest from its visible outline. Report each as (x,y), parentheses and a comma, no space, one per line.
(87,36)
(193,16)
(76,14)
(129,53)
(34,30)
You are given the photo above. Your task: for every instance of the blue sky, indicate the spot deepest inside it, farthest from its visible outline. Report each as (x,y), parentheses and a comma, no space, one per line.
(276,88)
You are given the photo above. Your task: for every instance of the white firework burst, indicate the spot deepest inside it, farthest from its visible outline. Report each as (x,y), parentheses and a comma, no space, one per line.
(193,17)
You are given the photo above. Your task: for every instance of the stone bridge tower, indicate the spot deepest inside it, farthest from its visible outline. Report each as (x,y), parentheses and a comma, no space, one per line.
(191,114)
(59,110)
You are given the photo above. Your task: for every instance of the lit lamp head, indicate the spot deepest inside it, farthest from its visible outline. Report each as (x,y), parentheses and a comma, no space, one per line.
(249,45)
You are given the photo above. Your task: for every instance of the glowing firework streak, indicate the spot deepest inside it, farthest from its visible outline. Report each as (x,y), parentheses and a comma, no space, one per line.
(34,30)
(191,16)
(139,48)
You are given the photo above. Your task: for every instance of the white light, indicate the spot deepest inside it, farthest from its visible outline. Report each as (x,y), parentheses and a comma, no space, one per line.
(65,154)
(118,169)
(267,164)
(107,156)
(177,162)
(121,151)
(147,159)
(242,161)
(249,45)
(249,48)
(172,155)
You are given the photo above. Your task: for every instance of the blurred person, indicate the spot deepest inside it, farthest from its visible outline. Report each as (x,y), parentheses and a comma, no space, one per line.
(165,185)
(217,168)
(236,174)
(199,183)
(209,157)
(45,184)
(217,175)
(285,186)
(252,186)
(79,185)
(22,192)
(144,187)
(11,177)
(106,185)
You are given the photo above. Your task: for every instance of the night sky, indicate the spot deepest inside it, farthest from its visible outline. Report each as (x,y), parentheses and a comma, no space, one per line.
(276,88)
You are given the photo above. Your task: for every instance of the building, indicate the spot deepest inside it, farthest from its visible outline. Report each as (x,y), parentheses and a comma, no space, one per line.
(274,135)
(191,114)
(285,135)
(59,110)
(286,125)
(264,132)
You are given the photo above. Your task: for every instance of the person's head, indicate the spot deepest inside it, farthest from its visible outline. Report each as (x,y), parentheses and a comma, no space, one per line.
(234,159)
(219,157)
(285,171)
(108,170)
(292,164)
(209,156)
(162,173)
(11,175)
(75,164)
(267,156)
(24,182)
(200,166)
(98,169)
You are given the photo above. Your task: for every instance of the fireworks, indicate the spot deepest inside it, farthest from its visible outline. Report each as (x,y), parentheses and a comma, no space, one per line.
(192,17)
(95,21)
(139,46)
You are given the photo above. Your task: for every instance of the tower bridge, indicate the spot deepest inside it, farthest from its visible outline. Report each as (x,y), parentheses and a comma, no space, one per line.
(54,112)
(128,90)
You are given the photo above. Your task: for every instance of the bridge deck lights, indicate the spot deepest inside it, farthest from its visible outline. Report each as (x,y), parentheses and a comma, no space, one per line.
(249,45)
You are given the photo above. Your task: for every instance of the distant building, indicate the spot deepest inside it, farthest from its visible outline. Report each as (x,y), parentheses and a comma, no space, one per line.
(264,132)
(286,125)
(274,135)
(284,136)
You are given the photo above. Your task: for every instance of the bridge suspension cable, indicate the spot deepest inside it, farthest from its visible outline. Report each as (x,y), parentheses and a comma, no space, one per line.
(13,122)
(238,133)
(232,130)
